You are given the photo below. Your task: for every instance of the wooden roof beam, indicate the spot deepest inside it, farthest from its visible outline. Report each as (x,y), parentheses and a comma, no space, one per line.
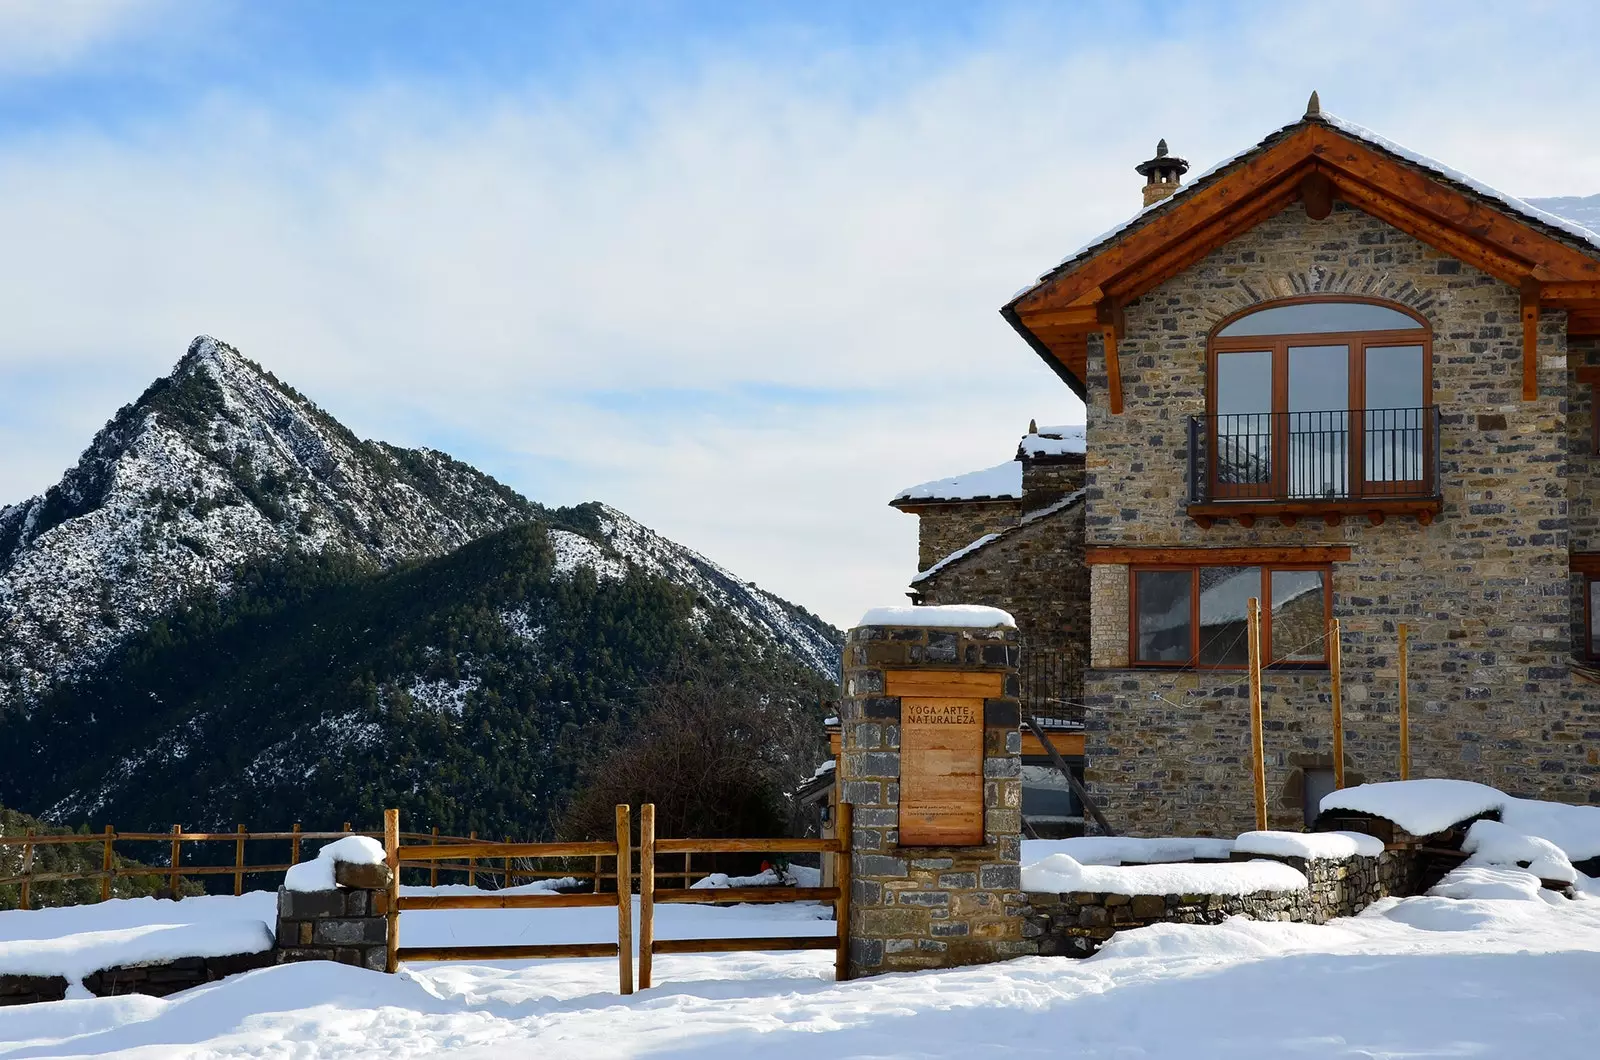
(1432,232)
(1561,294)
(1530,340)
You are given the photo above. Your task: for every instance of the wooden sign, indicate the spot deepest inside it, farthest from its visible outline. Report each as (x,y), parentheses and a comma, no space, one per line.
(941,771)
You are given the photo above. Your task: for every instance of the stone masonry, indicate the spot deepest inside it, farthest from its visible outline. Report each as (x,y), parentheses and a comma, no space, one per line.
(929,907)
(1485,589)
(944,528)
(1078,924)
(347,924)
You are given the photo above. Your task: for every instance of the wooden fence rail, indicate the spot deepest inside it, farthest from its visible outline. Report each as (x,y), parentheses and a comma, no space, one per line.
(622,898)
(649,894)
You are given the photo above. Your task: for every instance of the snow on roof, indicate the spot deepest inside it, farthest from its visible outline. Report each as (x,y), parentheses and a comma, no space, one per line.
(964,616)
(1054,441)
(1001,482)
(1309,844)
(1511,202)
(1496,845)
(1060,873)
(987,539)
(1421,807)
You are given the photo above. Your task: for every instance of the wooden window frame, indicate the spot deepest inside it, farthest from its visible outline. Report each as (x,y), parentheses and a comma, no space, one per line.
(1357,343)
(1193,662)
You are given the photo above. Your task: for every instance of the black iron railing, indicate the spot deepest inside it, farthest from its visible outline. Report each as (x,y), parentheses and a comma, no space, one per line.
(1051,687)
(1334,455)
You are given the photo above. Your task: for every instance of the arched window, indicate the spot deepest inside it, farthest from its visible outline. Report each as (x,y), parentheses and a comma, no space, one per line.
(1320,400)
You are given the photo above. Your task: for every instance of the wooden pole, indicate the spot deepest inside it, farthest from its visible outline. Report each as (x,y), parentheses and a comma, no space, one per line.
(624,901)
(505,880)
(1338,704)
(1257,749)
(294,845)
(472,864)
(177,858)
(238,862)
(647,890)
(688,873)
(841,879)
(27,872)
(391,854)
(347,826)
(1405,716)
(598,872)
(433,866)
(105,865)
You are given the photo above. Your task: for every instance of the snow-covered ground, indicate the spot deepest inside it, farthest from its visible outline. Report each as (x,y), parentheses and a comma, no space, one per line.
(1417,977)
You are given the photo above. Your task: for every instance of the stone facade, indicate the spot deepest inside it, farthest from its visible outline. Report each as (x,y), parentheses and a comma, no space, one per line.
(946,527)
(1583,476)
(1078,924)
(1485,588)
(929,907)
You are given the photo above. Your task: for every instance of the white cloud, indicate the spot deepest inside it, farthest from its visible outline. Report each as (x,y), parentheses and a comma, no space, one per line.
(644,290)
(43,36)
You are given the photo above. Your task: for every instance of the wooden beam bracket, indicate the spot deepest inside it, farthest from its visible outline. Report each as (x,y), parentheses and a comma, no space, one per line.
(1530,340)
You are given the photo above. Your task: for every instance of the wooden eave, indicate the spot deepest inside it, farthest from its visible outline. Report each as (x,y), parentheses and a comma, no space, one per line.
(1315,163)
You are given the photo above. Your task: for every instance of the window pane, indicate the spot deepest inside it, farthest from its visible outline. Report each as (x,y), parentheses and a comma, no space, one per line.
(1309,317)
(1392,431)
(1162,599)
(1244,423)
(1319,423)
(1299,616)
(1594,618)
(1224,594)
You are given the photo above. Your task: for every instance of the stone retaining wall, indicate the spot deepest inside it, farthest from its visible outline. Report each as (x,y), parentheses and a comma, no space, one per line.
(1079,923)
(155,979)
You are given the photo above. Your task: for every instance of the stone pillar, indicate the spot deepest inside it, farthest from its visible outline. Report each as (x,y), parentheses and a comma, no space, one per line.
(930,906)
(347,924)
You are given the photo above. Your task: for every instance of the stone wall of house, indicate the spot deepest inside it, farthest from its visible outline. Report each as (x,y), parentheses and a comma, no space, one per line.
(1047,479)
(929,907)
(944,528)
(1036,572)
(1485,589)
(1583,473)
(1076,924)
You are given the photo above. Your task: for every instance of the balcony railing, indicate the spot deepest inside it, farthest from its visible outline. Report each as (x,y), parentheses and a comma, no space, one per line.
(1307,457)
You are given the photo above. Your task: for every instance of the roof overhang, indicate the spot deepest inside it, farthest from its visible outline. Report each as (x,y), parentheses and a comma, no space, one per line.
(1315,162)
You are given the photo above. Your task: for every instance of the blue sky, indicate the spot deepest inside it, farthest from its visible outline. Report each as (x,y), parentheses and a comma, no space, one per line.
(733,268)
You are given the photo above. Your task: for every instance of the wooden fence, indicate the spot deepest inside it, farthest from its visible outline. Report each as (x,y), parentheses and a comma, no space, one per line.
(649,894)
(457,858)
(621,898)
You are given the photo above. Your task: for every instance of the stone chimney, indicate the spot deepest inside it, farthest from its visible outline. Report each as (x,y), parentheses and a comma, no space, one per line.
(1162,174)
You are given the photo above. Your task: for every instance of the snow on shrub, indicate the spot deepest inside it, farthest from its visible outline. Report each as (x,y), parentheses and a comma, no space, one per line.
(1493,844)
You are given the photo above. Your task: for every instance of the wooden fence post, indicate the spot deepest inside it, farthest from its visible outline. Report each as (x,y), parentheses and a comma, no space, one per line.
(624,901)
(1405,717)
(238,862)
(294,845)
(391,854)
(177,859)
(842,830)
(433,864)
(1257,748)
(688,873)
(505,880)
(647,891)
(27,872)
(105,864)
(1334,657)
(472,863)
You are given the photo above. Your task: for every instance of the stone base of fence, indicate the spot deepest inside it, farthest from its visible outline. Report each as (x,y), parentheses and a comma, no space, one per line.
(348,925)
(154,979)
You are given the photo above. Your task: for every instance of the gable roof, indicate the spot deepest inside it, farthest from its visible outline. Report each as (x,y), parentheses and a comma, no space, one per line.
(1315,160)
(1069,501)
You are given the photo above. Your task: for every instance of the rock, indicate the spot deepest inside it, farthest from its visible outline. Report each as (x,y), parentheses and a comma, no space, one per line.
(366,877)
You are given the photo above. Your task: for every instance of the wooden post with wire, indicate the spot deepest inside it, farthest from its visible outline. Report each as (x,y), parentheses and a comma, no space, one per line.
(105,864)
(1257,745)
(647,891)
(294,845)
(177,856)
(1405,715)
(238,863)
(1338,704)
(391,854)
(624,901)
(841,879)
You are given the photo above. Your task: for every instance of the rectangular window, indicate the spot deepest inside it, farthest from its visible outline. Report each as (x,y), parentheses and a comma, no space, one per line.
(1198,616)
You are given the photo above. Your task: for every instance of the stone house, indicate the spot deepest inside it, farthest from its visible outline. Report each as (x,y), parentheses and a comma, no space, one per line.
(1349,381)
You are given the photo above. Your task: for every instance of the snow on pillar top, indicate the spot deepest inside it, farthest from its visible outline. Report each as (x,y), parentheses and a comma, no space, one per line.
(956,616)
